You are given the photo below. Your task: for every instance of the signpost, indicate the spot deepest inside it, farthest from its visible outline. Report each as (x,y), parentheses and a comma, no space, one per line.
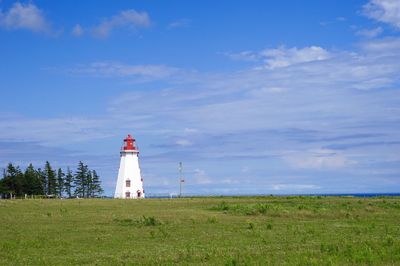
(181,179)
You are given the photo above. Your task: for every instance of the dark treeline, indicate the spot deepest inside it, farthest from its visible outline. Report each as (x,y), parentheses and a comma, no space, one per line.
(49,182)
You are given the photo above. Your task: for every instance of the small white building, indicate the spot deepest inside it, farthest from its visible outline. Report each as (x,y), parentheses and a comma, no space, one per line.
(129,182)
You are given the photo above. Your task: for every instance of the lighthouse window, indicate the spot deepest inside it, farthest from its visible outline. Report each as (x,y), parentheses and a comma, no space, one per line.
(127,195)
(128,183)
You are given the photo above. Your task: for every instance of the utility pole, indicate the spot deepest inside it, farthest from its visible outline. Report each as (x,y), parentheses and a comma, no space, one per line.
(181,179)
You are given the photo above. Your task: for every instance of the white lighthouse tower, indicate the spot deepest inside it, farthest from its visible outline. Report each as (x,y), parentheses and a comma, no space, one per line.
(129,182)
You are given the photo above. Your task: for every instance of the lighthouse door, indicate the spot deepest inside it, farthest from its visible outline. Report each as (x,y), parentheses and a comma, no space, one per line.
(138,193)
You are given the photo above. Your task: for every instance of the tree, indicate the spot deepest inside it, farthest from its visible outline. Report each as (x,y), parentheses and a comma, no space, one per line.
(69,183)
(29,177)
(4,191)
(13,179)
(43,181)
(96,188)
(60,182)
(50,182)
(50,179)
(88,184)
(80,180)
(3,188)
(32,182)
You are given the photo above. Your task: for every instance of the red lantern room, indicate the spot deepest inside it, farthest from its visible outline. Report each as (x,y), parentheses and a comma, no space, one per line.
(129,143)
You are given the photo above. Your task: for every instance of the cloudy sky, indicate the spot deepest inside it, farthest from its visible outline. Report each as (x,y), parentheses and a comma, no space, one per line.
(259,97)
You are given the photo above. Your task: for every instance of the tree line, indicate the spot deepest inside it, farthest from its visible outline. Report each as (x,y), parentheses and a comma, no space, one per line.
(49,182)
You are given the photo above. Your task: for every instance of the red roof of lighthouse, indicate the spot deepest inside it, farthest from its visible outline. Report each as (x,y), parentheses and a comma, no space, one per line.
(129,143)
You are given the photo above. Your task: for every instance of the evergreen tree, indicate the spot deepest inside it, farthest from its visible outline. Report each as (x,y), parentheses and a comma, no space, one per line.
(49,182)
(80,180)
(88,183)
(43,181)
(60,182)
(69,183)
(51,179)
(96,188)
(4,189)
(13,180)
(32,184)
(29,176)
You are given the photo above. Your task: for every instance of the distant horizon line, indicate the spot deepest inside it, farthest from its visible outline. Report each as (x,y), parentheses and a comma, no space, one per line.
(360,194)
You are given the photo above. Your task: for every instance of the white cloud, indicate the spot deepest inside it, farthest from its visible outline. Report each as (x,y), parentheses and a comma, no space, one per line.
(128,18)
(387,11)
(387,46)
(294,187)
(267,90)
(244,169)
(324,95)
(24,16)
(318,159)
(77,30)
(51,131)
(181,23)
(112,69)
(183,142)
(370,33)
(283,57)
(189,131)
(244,56)
(201,178)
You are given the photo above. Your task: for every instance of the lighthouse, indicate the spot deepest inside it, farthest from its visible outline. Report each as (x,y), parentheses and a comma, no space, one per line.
(129,182)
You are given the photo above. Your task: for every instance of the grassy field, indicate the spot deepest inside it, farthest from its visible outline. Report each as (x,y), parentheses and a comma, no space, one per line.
(216,231)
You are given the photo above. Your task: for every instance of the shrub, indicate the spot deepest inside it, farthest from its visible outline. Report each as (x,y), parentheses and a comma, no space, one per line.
(250,225)
(149,221)
(329,248)
(389,240)
(220,207)
(262,208)
(211,220)
(252,209)
(231,262)
(143,221)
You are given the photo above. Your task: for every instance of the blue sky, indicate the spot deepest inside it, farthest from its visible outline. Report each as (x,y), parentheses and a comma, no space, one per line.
(260,97)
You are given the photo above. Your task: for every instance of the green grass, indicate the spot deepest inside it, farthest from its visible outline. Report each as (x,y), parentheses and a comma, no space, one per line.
(208,231)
